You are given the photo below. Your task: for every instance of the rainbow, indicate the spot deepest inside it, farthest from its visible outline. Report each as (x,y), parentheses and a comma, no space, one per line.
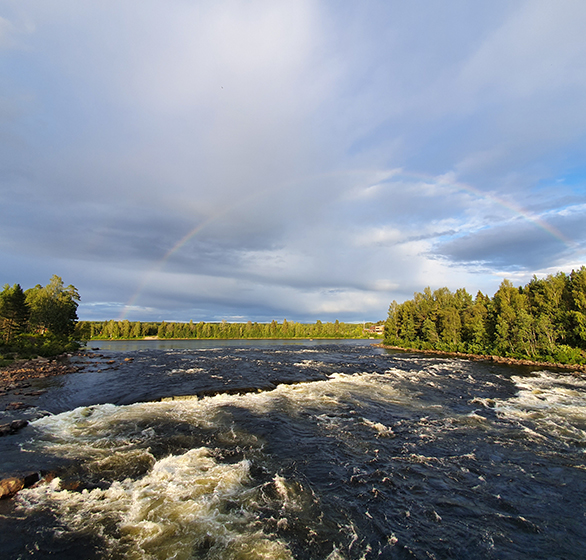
(536,220)
(386,177)
(159,265)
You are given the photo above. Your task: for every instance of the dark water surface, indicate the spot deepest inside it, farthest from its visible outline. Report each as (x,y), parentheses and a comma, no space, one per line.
(314,450)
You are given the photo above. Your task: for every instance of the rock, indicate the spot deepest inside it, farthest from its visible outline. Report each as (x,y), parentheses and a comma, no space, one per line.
(17,406)
(16,425)
(31,479)
(10,486)
(12,428)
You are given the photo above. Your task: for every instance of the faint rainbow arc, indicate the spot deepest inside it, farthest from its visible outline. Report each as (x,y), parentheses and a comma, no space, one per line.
(189,235)
(537,221)
(161,262)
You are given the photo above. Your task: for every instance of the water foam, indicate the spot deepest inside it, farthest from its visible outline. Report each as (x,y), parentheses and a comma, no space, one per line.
(184,503)
(555,404)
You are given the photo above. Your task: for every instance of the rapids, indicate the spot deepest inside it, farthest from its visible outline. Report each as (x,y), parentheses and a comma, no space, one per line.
(332,451)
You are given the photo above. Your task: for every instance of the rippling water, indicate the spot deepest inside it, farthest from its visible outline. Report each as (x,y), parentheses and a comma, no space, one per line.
(315,451)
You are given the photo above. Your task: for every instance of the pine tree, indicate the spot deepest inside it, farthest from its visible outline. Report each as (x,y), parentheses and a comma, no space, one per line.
(14,312)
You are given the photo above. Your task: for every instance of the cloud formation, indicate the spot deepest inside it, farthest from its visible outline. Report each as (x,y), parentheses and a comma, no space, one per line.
(310,159)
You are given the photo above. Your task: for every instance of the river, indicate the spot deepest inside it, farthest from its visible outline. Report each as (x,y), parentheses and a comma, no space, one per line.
(300,450)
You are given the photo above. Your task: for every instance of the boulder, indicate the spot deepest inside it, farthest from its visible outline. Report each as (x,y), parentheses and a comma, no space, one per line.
(10,486)
(13,427)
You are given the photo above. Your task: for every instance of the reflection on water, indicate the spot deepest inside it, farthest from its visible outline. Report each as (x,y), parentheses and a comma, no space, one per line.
(307,452)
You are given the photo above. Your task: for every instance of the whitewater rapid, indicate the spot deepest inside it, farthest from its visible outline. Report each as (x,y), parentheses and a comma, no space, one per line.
(338,453)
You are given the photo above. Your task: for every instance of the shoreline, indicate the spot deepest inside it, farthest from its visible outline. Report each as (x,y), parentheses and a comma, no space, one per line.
(578,368)
(276,338)
(37,368)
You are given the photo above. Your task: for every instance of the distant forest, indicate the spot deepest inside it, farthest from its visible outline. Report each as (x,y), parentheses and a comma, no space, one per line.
(544,320)
(287,329)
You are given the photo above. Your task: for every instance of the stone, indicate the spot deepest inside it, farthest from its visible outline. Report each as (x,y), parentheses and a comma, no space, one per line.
(13,427)
(16,425)
(31,479)
(17,406)
(10,486)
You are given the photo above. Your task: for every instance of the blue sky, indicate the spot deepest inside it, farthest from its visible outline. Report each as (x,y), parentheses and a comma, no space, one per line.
(305,160)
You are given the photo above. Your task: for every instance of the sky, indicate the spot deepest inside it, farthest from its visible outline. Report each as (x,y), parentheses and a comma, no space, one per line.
(241,160)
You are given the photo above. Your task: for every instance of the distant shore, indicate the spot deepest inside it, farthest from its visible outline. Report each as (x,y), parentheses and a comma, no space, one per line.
(239,338)
(490,358)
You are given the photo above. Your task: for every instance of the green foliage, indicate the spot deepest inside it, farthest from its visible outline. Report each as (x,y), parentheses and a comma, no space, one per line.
(287,329)
(38,322)
(544,320)
(14,312)
(53,308)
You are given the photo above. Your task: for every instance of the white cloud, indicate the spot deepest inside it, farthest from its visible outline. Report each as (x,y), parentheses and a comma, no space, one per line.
(326,157)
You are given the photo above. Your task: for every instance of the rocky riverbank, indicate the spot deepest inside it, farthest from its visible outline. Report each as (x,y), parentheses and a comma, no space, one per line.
(16,380)
(21,385)
(575,368)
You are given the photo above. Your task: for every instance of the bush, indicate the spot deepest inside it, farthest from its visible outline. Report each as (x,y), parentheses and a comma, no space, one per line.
(564,354)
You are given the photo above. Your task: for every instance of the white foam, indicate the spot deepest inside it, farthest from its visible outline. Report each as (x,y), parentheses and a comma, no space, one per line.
(189,370)
(192,500)
(182,503)
(381,429)
(555,403)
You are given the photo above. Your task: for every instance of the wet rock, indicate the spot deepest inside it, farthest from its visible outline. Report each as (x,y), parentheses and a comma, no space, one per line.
(13,427)
(17,406)
(10,486)
(31,479)
(16,425)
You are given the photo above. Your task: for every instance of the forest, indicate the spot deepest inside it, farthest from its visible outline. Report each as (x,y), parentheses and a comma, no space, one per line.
(544,320)
(173,330)
(40,321)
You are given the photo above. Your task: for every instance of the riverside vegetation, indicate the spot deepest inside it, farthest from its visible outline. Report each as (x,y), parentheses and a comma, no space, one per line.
(544,320)
(40,321)
(126,330)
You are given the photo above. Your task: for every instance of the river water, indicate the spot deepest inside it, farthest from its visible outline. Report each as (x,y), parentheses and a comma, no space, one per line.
(314,450)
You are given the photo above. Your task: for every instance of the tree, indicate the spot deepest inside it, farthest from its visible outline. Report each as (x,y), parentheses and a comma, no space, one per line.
(474,324)
(53,308)
(14,312)
(135,332)
(577,313)
(450,327)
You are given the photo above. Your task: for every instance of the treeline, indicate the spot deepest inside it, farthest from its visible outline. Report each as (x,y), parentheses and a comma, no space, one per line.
(38,321)
(226,330)
(544,320)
